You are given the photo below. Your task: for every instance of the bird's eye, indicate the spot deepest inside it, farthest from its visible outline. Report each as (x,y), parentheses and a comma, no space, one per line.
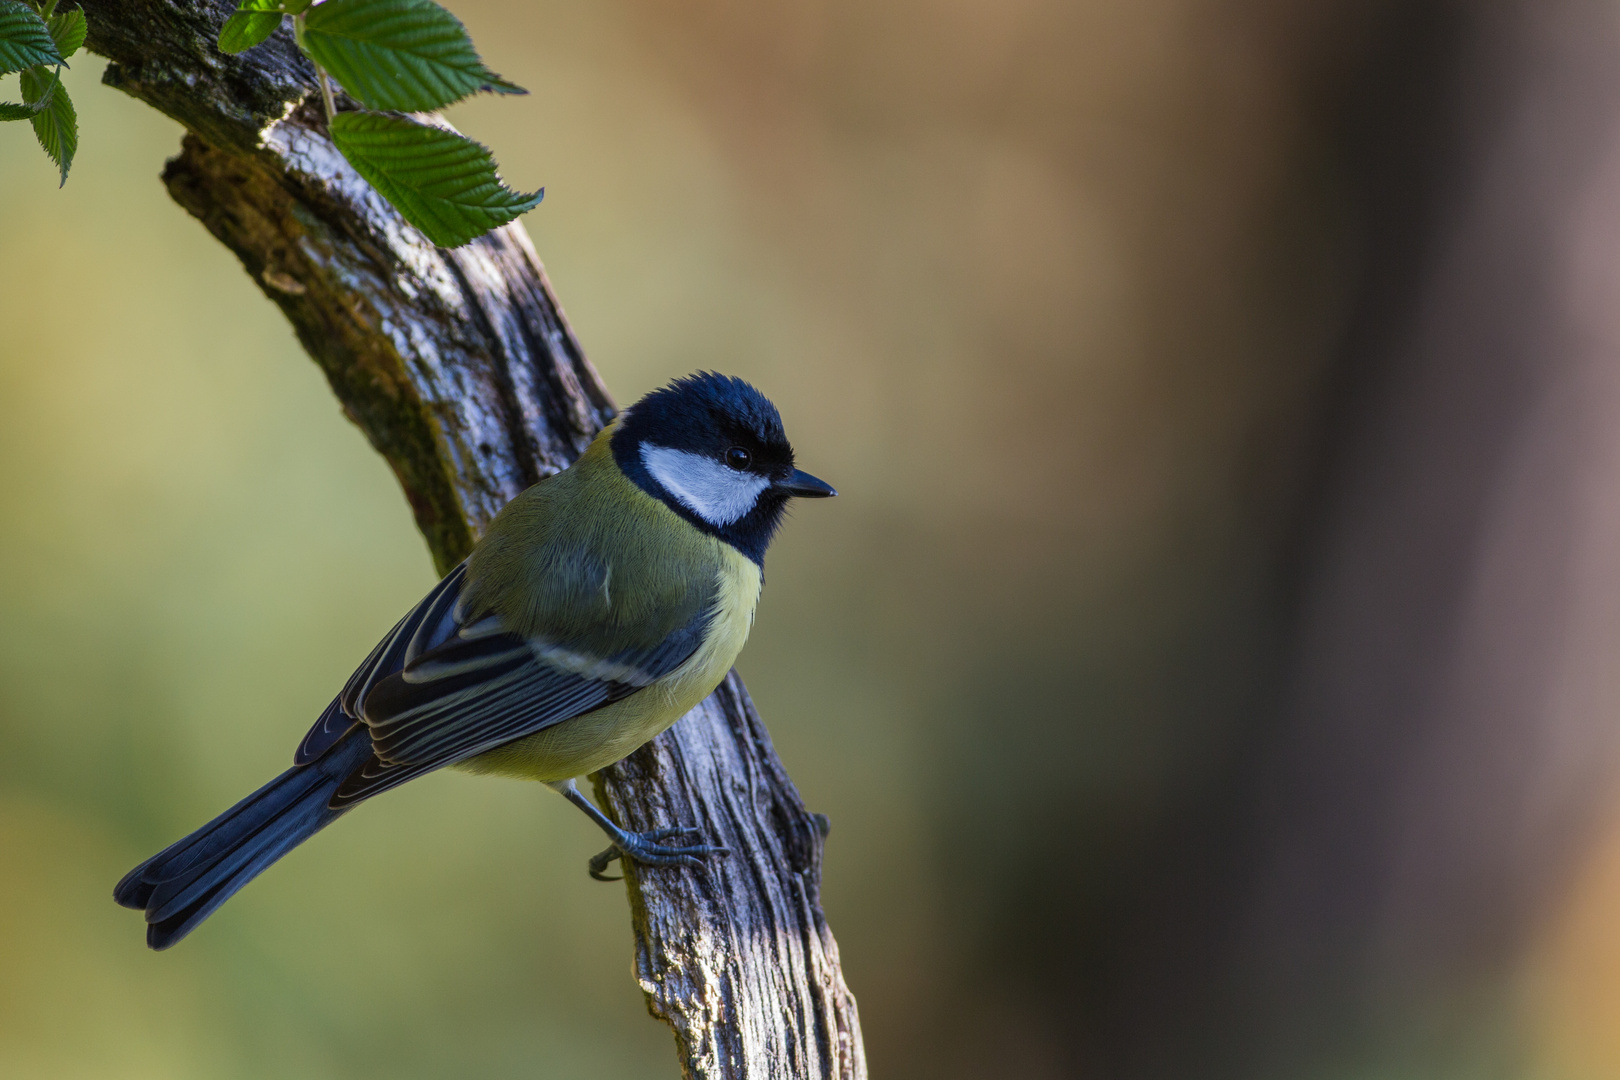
(738,458)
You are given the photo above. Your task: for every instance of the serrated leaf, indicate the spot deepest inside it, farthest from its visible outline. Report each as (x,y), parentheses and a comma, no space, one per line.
(246,29)
(57,125)
(403,55)
(67,30)
(25,40)
(10,110)
(443,183)
(253,22)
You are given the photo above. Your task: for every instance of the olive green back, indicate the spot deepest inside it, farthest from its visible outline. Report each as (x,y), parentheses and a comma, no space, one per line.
(587,559)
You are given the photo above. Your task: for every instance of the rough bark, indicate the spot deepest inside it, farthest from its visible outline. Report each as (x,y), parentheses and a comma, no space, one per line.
(461,369)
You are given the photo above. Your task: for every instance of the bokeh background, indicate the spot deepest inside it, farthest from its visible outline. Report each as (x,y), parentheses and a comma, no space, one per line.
(1209,667)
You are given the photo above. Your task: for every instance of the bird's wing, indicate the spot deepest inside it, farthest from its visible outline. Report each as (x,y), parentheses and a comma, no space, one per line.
(458,688)
(426,623)
(387,658)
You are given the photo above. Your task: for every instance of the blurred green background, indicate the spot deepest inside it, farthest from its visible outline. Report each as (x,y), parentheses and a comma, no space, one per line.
(1078,304)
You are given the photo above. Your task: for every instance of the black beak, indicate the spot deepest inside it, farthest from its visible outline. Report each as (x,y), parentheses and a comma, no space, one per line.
(805,486)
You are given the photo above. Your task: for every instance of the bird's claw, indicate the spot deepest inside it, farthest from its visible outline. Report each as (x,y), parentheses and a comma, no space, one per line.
(599,864)
(646,848)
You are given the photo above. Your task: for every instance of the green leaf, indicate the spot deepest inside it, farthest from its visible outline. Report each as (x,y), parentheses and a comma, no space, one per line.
(67,30)
(246,29)
(404,55)
(10,110)
(254,21)
(57,125)
(25,40)
(443,183)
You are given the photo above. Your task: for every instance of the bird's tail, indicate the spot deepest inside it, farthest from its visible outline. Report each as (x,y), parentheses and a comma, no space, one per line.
(181,885)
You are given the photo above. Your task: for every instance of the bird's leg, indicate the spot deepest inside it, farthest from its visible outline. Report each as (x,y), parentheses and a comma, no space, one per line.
(647,847)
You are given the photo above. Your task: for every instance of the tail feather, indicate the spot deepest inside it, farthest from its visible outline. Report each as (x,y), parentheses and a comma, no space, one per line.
(184,883)
(295,824)
(218,837)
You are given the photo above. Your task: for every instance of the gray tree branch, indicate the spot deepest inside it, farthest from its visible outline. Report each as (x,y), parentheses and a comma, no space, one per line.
(463,373)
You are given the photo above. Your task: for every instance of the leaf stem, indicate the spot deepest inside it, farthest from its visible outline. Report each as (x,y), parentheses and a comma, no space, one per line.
(320,72)
(326,94)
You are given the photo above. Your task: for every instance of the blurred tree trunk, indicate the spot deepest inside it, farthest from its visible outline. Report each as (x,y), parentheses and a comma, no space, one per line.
(1446,738)
(1358,891)
(461,369)
(1351,879)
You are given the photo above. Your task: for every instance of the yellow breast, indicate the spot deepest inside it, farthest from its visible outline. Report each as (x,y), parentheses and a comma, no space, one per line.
(598,739)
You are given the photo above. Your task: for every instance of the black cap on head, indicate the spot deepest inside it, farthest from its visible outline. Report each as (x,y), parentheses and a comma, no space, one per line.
(712,448)
(702,411)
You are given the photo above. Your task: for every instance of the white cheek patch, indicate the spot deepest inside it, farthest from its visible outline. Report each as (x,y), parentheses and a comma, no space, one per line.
(715,493)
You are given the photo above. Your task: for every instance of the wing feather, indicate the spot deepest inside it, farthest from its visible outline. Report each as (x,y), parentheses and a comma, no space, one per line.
(332,726)
(449,683)
(471,721)
(480,688)
(388,657)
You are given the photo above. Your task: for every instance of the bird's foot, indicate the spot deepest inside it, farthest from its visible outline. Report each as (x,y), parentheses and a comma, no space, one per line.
(649,849)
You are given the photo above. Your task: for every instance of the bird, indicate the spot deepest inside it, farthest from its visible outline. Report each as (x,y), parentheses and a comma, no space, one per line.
(601,605)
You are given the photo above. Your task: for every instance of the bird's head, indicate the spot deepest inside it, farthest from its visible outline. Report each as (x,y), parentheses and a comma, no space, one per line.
(712,448)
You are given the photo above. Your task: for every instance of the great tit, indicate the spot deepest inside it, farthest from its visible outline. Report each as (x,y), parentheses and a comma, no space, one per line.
(602,604)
